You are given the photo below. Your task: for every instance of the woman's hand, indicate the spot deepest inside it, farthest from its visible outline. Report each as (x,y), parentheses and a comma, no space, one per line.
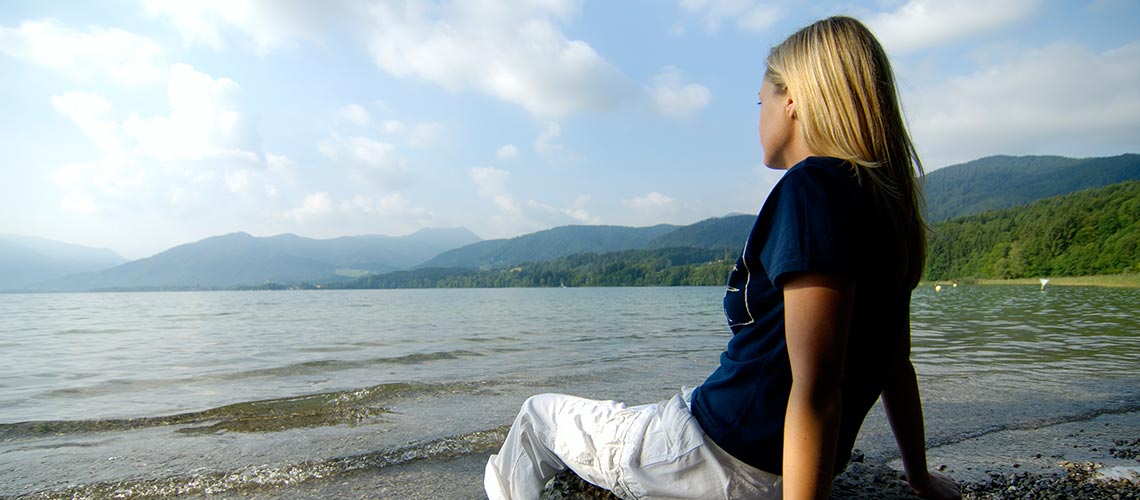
(936,486)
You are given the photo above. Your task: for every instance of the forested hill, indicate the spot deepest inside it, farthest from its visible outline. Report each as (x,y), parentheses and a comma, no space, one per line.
(656,267)
(1000,182)
(1090,232)
(548,245)
(724,233)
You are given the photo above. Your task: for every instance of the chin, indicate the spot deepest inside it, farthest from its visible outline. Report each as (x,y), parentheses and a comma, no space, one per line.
(772,164)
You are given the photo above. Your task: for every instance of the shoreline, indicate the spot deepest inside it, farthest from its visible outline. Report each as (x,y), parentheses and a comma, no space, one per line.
(1093,459)
(1105,280)
(1097,458)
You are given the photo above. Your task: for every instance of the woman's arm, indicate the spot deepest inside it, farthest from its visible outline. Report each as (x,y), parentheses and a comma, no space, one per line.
(904,411)
(817,315)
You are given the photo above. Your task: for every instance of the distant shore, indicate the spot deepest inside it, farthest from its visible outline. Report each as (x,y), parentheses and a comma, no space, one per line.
(1109,281)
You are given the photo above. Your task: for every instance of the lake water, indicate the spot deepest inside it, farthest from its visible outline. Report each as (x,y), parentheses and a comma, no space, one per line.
(196,393)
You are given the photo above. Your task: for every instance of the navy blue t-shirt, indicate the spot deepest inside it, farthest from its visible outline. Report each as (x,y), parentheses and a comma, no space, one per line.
(819,219)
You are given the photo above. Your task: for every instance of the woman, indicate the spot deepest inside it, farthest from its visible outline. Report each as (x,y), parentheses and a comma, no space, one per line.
(818,304)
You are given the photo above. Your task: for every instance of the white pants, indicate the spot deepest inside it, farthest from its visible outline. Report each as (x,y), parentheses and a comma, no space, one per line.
(655,451)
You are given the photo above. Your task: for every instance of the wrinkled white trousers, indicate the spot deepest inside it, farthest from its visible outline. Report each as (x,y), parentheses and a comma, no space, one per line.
(655,451)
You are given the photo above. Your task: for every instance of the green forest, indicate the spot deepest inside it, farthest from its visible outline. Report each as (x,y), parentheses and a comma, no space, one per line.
(1090,232)
(660,267)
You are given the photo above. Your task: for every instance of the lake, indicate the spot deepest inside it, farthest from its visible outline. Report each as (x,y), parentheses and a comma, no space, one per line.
(199,392)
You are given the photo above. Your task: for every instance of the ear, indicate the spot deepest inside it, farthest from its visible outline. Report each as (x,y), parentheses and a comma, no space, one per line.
(790,106)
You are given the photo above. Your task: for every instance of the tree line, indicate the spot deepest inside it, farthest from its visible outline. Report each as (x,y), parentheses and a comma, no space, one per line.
(1090,232)
(658,267)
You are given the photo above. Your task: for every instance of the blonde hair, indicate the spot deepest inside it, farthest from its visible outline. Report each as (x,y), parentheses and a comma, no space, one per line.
(848,108)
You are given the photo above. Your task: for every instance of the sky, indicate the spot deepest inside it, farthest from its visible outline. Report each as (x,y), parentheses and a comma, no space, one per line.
(141,125)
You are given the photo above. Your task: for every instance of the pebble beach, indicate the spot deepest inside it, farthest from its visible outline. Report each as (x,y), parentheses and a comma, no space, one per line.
(861,481)
(1096,459)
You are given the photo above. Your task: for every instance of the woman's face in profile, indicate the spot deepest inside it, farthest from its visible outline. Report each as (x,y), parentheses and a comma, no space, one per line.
(775,126)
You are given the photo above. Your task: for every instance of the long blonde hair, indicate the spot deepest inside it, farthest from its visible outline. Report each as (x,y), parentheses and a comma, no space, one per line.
(848,108)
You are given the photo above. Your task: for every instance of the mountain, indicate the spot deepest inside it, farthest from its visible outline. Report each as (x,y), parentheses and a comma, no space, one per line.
(718,233)
(672,266)
(548,245)
(240,259)
(376,253)
(1095,231)
(998,182)
(25,260)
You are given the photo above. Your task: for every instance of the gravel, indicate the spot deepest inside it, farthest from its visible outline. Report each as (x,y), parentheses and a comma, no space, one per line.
(862,481)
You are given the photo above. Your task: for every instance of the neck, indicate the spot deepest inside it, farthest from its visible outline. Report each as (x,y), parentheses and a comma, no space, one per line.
(797,149)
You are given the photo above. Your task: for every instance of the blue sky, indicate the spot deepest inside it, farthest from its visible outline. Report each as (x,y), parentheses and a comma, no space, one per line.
(140,125)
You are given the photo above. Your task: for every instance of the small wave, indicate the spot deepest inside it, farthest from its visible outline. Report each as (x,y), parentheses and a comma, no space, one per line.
(327,365)
(350,407)
(305,368)
(276,476)
(490,339)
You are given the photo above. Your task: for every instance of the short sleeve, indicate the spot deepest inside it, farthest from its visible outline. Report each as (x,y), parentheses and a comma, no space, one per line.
(811,227)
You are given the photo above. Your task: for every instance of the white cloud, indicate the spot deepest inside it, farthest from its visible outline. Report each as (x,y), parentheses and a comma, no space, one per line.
(359,150)
(89,111)
(84,185)
(1060,99)
(425,134)
(355,114)
(512,217)
(651,201)
(924,23)
(576,213)
(417,135)
(123,57)
(492,183)
(270,24)
(394,127)
(206,120)
(750,15)
(315,206)
(200,159)
(393,205)
(653,208)
(323,214)
(673,97)
(544,144)
(511,50)
(366,159)
(507,151)
(239,180)
(280,165)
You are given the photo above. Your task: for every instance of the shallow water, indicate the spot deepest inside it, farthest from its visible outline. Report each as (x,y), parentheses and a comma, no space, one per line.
(176,393)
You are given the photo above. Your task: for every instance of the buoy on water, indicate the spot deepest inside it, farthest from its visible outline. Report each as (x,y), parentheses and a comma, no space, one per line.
(938,288)
(1044,281)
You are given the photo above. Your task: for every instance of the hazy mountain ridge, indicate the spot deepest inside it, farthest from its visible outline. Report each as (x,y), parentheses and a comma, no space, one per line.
(548,245)
(241,259)
(25,260)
